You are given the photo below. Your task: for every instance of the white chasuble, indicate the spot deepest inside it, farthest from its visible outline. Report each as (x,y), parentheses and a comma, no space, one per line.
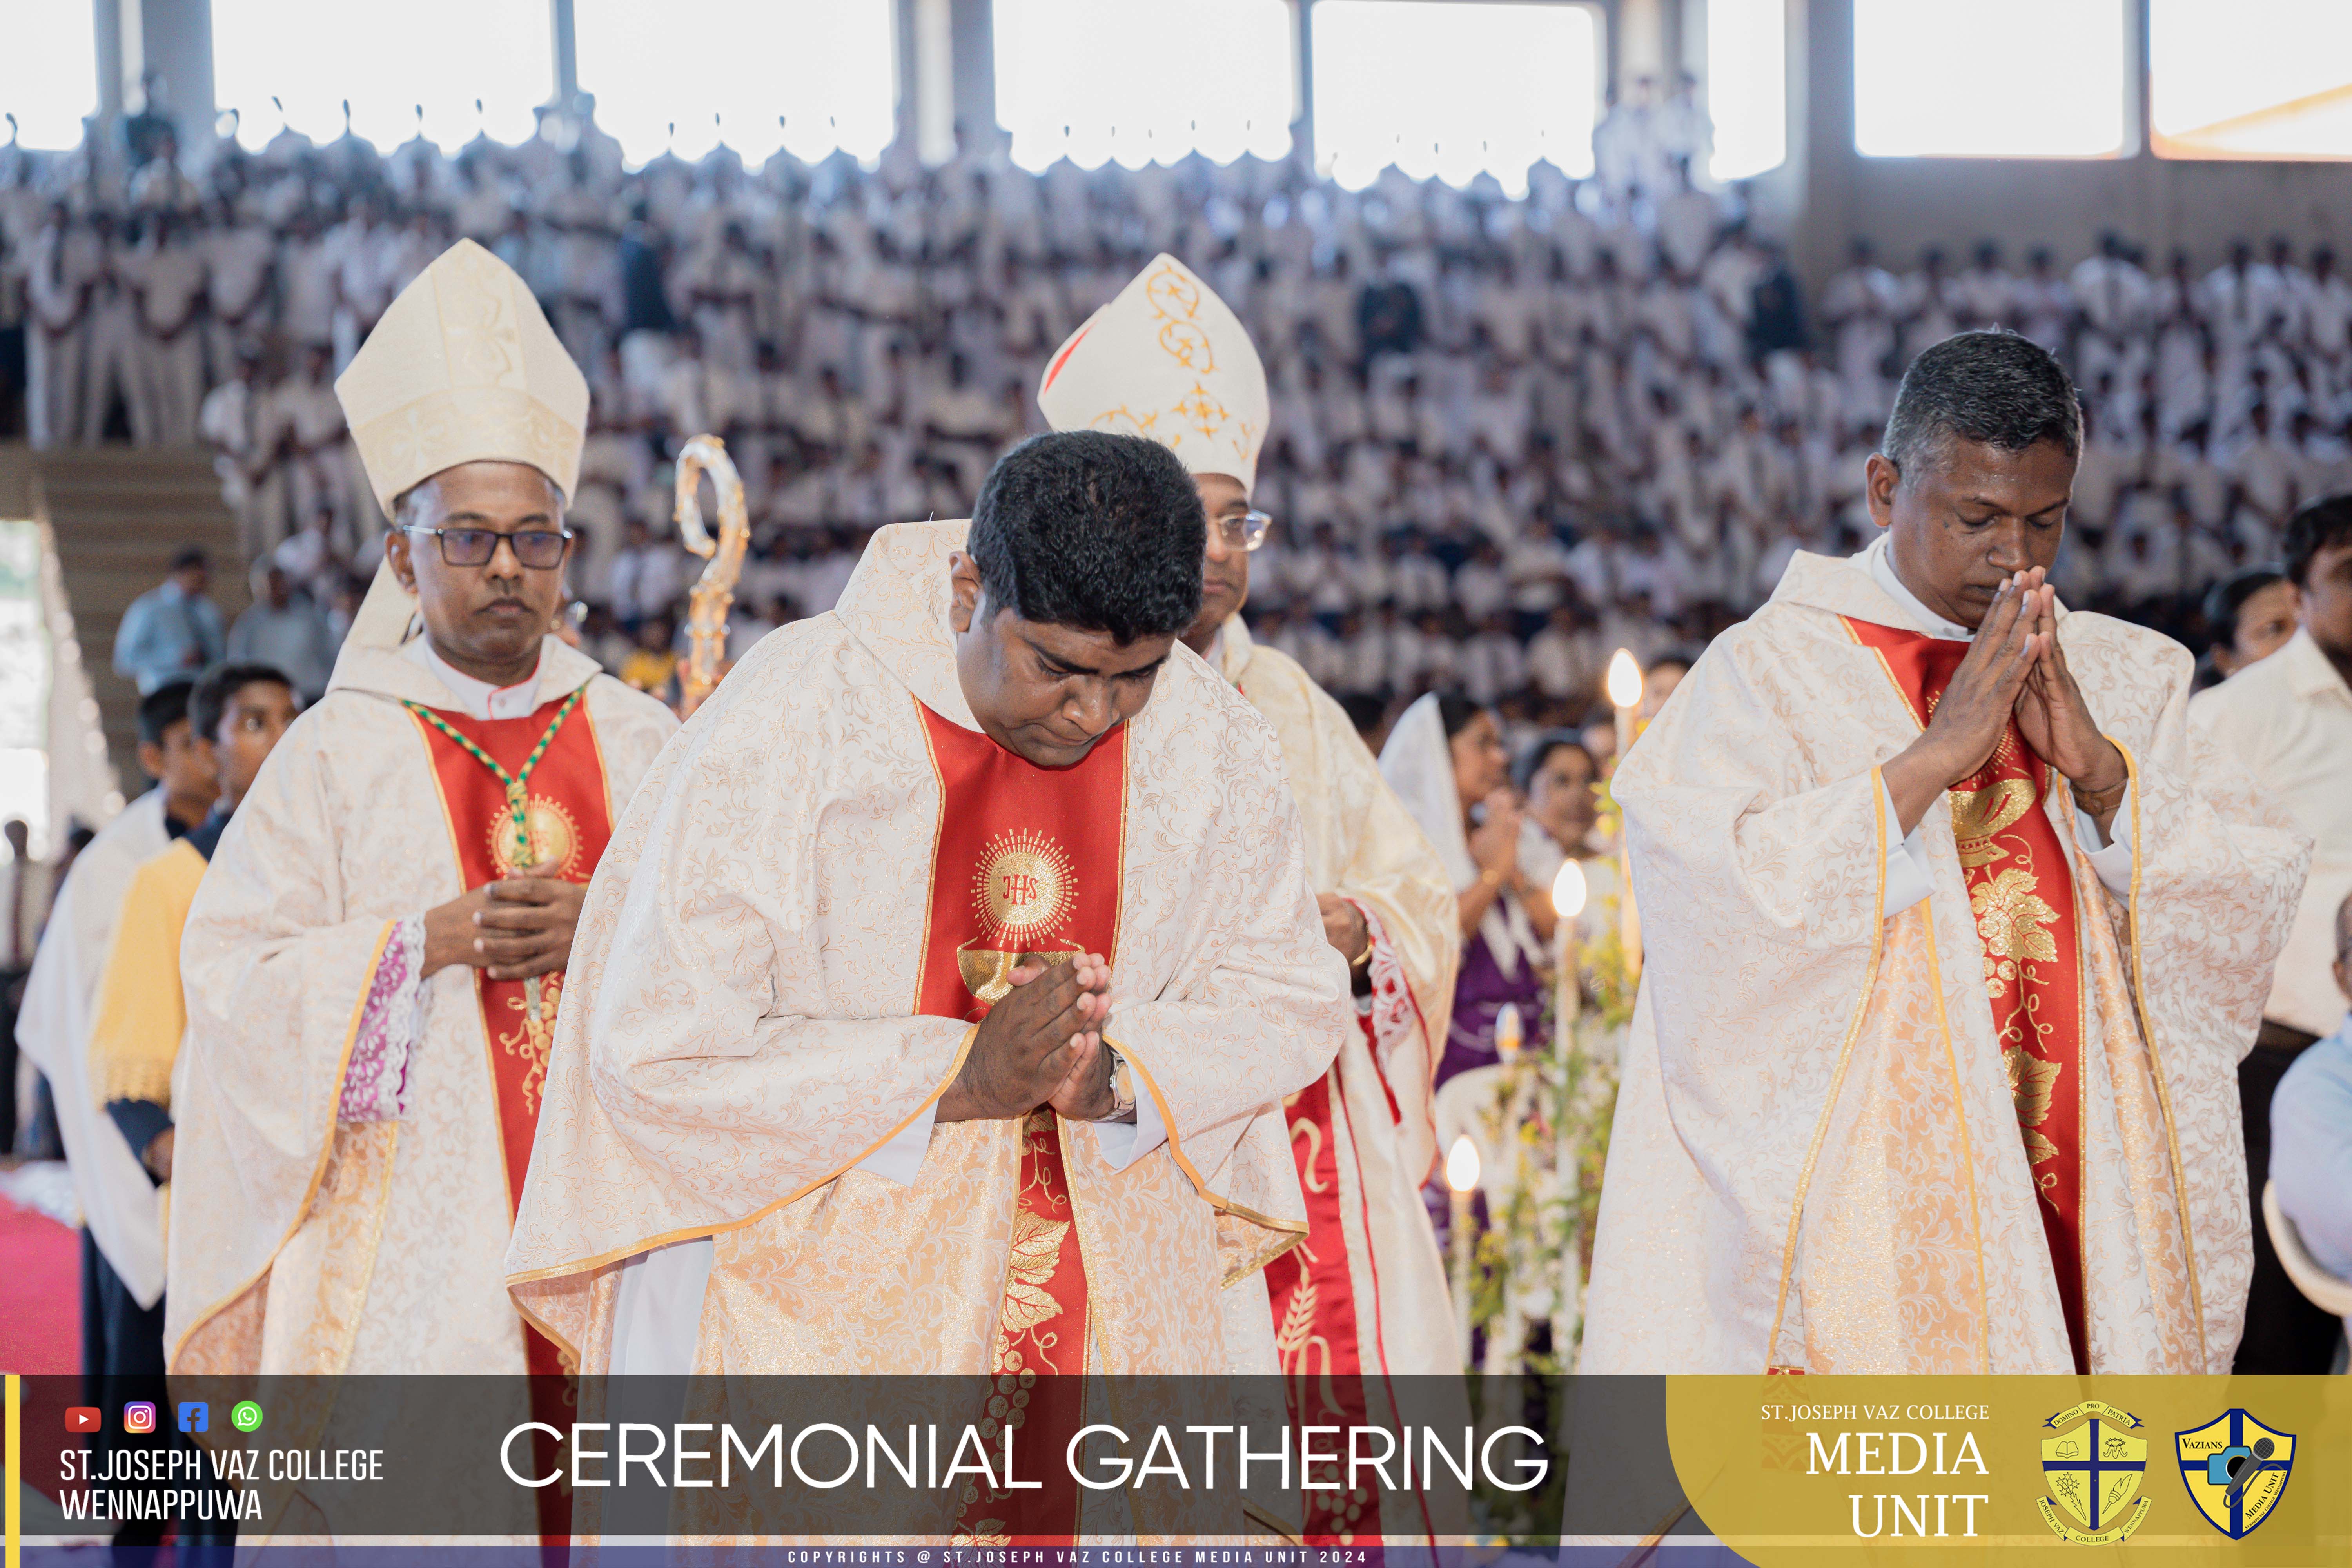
(1376,1125)
(1365,1299)
(319,1225)
(750,1059)
(1817,1161)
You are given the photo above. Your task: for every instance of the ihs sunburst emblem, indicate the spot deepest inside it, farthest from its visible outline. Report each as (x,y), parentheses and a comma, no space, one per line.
(1023,888)
(554,839)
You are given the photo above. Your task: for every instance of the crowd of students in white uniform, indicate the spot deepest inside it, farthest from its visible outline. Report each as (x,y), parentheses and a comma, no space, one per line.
(1510,436)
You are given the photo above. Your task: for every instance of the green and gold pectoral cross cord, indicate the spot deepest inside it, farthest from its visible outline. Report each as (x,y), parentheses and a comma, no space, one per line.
(518,796)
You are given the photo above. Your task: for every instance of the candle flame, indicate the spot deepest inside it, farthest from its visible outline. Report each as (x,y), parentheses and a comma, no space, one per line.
(1568,890)
(1624,680)
(1462,1164)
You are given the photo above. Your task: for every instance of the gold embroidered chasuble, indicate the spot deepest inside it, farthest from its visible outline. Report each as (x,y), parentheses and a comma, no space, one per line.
(749,959)
(1818,1160)
(1365,1299)
(301,1243)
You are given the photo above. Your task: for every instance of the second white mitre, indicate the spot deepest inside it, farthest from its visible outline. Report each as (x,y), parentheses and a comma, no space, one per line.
(464,367)
(1166,359)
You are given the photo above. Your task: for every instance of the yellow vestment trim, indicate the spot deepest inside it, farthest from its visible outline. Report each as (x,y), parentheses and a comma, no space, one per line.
(695,1232)
(1967,1145)
(1294,1229)
(2155,1065)
(1837,1077)
(1943,1025)
(318,1172)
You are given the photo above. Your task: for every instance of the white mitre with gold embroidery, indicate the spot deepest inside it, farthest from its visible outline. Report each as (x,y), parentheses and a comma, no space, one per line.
(1170,360)
(463,367)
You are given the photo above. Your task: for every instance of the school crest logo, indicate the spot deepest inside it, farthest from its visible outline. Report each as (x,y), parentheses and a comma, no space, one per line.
(2235,1469)
(2093,1465)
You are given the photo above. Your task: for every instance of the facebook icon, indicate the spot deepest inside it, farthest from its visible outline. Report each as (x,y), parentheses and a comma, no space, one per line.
(193,1417)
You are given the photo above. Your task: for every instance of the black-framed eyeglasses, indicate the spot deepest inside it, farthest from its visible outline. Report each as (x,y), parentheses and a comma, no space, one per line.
(1248,530)
(540,549)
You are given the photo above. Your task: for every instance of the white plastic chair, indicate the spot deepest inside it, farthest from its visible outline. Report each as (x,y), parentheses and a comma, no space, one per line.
(2327,1292)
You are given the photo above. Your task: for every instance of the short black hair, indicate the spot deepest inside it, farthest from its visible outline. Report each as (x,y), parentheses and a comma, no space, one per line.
(1532,760)
(163,707)
(2313,530)
(1989,388)
(1086,529)
(1455,712)
(189,556)
(2227,597)
(209,701)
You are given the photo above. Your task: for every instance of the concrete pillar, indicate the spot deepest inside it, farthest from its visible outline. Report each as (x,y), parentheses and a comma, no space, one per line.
(176,38)
(972,36)
(561,23)
(106,17)
(1642,41)
(928,77)
(1780,198)
(1302,130)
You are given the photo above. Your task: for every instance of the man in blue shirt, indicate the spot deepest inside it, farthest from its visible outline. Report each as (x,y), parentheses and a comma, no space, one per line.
(172,632)
(284,629)
(2311,1132)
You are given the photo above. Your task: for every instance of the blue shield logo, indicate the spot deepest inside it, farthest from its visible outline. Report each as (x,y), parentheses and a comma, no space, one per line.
(2235,1469)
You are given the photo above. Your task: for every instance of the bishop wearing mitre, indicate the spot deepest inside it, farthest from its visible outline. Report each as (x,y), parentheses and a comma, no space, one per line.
(1956,930)
(942,983)
(1367,1292)
(375,959)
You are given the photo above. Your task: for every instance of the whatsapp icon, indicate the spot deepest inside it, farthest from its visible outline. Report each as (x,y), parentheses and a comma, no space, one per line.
(244,1415)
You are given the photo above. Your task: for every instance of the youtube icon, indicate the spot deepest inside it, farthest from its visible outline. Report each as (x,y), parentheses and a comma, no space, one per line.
(83,1418)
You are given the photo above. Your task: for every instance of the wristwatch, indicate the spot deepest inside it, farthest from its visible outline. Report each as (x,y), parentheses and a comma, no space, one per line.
(2100,803)
(1122,1087)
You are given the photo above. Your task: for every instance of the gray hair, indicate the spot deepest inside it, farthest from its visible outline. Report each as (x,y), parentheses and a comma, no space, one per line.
(1989,388)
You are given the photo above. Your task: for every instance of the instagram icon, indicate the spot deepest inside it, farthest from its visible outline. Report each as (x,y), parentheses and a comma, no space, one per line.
(139,1416)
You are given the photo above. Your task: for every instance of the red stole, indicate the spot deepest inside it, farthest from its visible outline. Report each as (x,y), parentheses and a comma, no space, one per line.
(1028,862)
(571,818)
(2021,891)
(1317,1333)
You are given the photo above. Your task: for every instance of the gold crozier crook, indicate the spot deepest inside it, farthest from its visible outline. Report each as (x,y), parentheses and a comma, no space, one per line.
(714,591)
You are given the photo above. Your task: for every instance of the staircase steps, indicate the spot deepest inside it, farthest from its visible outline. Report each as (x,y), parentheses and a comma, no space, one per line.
(119,515)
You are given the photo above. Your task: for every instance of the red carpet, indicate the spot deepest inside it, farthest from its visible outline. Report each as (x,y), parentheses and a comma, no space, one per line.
(40,1294)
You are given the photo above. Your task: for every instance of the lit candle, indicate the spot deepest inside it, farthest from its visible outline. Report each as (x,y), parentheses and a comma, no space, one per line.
(1568,892)
(1462,1180)
(1625,696)
(1510,1033)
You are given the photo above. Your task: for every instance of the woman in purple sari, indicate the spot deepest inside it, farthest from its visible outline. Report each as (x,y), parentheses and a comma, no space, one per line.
(1447,762)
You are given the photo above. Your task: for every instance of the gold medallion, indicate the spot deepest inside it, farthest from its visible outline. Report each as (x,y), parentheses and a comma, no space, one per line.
(554,839)
(1023,888)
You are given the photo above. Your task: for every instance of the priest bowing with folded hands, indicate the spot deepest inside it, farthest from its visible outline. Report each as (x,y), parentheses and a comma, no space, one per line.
(1955,932)
(933,1008)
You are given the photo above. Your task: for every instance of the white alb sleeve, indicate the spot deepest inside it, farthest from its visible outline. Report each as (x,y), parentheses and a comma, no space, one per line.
(1908,880)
